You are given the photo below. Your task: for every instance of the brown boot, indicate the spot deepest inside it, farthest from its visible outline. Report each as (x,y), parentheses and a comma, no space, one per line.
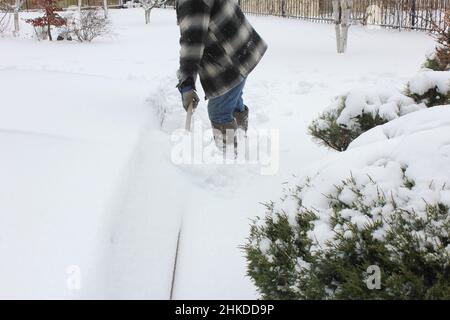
(242,118)
(225,135)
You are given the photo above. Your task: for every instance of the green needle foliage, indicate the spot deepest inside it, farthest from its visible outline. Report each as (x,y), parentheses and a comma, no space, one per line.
(328,132)
(411,249)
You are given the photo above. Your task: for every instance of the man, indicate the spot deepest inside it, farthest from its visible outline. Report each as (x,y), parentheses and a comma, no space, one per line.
(220,46)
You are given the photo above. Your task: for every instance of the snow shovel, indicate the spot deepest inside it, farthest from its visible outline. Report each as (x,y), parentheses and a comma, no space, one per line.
(190,111)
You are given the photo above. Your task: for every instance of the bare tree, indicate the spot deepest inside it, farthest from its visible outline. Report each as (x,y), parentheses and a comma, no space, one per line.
(89,25)
(342,10)
(5,15)
(148,5)
(105,7)
(17,5)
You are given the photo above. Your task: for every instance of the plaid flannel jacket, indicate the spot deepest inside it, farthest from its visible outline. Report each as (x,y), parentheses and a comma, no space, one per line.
(217,43)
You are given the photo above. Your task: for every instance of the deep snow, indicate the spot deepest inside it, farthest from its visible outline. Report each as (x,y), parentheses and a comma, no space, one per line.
(86,177)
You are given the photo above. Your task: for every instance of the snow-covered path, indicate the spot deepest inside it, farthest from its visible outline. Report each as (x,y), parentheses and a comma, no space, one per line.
(86,177)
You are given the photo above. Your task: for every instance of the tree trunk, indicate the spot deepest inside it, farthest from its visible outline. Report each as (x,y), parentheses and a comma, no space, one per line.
(147,16)
(347,6)
(338,38)
(337,22)
(342,10)
(16,22)
(49,32)
(16,17)
(105,7)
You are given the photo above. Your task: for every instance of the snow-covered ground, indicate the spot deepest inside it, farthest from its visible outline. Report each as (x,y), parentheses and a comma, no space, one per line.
(86,178)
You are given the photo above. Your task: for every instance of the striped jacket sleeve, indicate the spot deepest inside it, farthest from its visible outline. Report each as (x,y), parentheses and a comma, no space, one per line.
(193,18)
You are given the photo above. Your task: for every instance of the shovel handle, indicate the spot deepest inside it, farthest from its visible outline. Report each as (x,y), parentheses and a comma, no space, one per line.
(190,110)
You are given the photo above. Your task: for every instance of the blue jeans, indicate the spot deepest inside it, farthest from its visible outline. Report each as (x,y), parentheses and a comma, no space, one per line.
(221,108)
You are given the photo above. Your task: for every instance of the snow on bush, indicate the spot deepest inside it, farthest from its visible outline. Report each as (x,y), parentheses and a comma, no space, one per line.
(430,87)
(358,111)
(381,205)
(432,62)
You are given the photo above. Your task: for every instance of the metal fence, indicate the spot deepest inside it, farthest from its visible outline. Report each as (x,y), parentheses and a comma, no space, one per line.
(400,14)
(31,4)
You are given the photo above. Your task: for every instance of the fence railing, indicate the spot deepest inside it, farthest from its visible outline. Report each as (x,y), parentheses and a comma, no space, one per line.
(401,14)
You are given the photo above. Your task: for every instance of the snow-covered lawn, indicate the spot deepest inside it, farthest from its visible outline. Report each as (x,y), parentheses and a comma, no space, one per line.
(86,177)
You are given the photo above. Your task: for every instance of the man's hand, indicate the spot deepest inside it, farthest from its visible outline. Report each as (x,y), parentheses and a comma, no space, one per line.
(188,96)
